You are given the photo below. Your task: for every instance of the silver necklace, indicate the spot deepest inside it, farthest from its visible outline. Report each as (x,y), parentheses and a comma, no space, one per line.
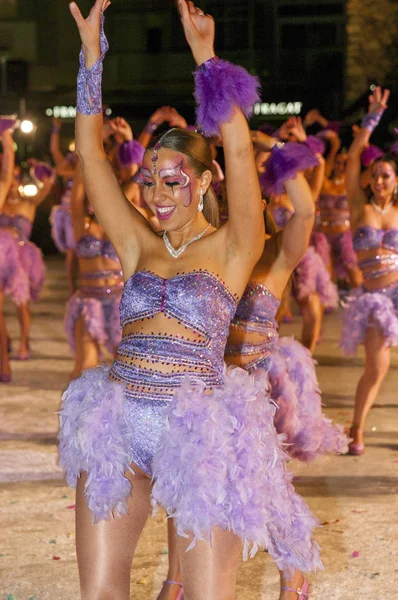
(382,211)
(176,253)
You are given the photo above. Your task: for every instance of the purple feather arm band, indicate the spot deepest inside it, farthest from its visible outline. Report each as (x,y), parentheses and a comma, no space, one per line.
(130,153)
(371,121)
(219,87)
(284,164)
(89,81)
(42,171)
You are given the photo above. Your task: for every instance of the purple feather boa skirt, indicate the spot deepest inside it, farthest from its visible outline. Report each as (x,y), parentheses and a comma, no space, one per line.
(312,277)
(101,319)
(294,387)
(32,262)
(14,280)
(366,309)
(344,255)
(219,462)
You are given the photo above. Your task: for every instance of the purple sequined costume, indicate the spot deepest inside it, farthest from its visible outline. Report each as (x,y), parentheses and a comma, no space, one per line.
(334,211)
(291,372)
(204,433)
(377,307)
(311,275)
(61,222)
(30,256)
(98,305)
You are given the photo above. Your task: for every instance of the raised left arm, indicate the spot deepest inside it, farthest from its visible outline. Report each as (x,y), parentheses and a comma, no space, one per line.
(7,165)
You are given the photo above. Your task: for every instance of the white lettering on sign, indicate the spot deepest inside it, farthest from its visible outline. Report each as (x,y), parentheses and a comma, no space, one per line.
(63,112)
(278,108)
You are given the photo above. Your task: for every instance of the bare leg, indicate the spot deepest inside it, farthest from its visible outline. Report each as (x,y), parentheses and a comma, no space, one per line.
(294,582)
(4,358)
(23,313)
(355,277)
(72,268)
(209,572)
(105,551)
(377,362)
(87,350)
(170,592)
(312,312)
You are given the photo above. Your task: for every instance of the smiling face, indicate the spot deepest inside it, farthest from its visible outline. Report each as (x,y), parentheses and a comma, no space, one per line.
(172,188)
(383,180)
(339,164)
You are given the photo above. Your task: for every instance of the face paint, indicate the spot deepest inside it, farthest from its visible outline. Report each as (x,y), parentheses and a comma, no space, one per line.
(177,175)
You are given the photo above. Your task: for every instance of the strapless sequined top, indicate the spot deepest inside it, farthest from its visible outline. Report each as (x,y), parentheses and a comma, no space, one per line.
(153,365)
(88,246)
(21,223)
(333,210)
(281,216)
(369,238)
(254,317)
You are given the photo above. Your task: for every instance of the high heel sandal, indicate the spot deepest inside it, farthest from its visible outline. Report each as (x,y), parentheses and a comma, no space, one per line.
(180,595)
(355,449)
(302,591)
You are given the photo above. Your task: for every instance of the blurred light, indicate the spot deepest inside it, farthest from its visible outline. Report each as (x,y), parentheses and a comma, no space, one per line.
(108,112)
(49,112)
(72,146)
(277,108)
(27,126)
(372,87)
(29,190)
(374,428)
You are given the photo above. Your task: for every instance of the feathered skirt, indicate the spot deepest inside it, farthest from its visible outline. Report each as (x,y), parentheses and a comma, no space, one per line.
(343,254)
(14,280)
(214,455)
(32,262)
(101,318)
(364,309)
(312,277)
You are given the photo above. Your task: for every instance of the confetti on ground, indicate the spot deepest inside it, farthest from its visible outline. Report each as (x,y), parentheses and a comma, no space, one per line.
(164,552)
(52,541)
(142,581)
(355,554)
(359,511)
(330,522)
(71,506)
(56,558)
(10,597)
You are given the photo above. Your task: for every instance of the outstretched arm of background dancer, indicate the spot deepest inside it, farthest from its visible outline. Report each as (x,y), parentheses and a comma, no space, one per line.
(125,227)
(55,147)
(7,165)
(335,145)
(245,227)
(316,178)
(356,197)
(78,207)
(296,234)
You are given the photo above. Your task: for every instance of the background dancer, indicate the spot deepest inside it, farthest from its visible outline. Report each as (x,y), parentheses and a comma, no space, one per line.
(371,315)
(180,295)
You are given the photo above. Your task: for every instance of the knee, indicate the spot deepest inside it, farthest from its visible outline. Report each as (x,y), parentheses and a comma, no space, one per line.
(377,371)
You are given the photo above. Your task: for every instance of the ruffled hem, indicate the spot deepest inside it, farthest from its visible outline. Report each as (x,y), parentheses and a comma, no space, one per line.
(32,263)
(62,229)
(309,433)
(13,278)
(94,438)
(221,464)
(369,309)
(312,277)
(101,319)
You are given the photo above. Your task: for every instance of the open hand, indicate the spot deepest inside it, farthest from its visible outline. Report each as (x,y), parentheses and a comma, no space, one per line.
(122,129)
(199,30)
(177,120)
(89,29)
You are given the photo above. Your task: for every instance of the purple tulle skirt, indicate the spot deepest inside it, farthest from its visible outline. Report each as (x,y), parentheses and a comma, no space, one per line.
(62,229)
(312,277)
(14,280)
(366,309)
(101,318)
(322,247)
(344,256)
(299,416)
(32,263)
(219,462)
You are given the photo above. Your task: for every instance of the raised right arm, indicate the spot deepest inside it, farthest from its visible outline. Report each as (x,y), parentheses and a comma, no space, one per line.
(7,165)
(125,227)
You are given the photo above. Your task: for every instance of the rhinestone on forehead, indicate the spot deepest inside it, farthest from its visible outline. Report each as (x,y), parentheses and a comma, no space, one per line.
(155,157)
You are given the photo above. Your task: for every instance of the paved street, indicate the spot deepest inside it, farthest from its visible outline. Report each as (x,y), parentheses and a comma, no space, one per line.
(354,497)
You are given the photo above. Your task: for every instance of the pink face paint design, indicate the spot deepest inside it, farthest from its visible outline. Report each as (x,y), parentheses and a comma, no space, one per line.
(177,175)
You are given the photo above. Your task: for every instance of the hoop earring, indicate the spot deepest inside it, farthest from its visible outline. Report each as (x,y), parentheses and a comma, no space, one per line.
(200,205)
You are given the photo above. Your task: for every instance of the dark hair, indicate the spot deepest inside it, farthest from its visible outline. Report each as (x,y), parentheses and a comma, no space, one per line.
(198,153)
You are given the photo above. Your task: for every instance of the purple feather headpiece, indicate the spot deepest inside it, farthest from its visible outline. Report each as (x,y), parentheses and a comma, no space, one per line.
(8,122)
(42,171)
(370,154)
(285,162)
(316,145)
(130,153)
(219,87)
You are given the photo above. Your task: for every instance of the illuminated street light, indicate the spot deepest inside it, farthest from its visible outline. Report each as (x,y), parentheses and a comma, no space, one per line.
(27,126)
(29,190)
